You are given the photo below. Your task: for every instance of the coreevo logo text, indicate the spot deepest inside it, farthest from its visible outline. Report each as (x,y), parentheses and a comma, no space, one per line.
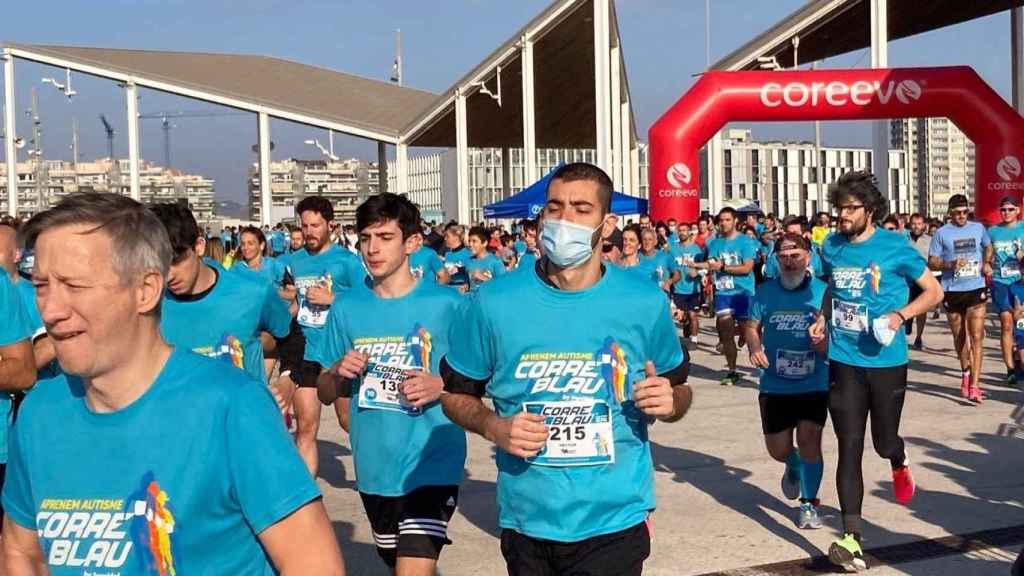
(835,93)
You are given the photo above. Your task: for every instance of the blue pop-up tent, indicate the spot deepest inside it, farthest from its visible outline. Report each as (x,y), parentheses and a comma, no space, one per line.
(530,201)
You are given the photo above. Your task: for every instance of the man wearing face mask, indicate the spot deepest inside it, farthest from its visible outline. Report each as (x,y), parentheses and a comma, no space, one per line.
(576,379)
(794,382)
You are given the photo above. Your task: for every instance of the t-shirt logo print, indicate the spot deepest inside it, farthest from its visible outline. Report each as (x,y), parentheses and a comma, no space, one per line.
(874,272)
(152,527)
(230,348)
(420,343)
(614,367)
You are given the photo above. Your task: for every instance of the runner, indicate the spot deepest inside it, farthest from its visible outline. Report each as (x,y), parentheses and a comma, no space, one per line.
(483,265)
(794,382)
(922,241)
(456,258)
(170,451)
(213,312)
(1007,251)
(576,379)
(664,267)
(322,271)
(408,455)
(822,228)
(296,240)
(19,271)
(731,260)
(425,263)
(962,250)
(252,245)
(793,225)
(686,290)
(632,259)
(868,271)
(530,252)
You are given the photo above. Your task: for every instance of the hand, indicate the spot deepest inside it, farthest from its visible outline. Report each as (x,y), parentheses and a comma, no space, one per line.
(895,322)
(320,295)
(817,331)
(986,269)
(352,365)
(523,435)
(1020,254)
(666,286)
(715,265)
(759,358)
(959,263)
(653,395)
(421,388)
(287,293)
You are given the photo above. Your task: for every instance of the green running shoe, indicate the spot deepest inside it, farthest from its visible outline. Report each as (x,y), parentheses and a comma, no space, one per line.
(730,379)
(846,553)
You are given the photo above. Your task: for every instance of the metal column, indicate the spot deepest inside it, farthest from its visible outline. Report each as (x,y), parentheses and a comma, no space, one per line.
(131,94)
(265,190)
(462,158)
(602,85)
(880,128)
(382,167)
(625,155)
(402,167)
(506,173)
(1017,58)
(615,107)
(529,113)
(10,130)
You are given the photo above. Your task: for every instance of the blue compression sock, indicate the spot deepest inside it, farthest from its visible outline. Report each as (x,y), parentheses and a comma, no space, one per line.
(810,479)
(793,464)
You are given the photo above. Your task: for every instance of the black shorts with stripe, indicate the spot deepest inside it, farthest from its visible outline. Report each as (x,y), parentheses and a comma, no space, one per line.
(414,525)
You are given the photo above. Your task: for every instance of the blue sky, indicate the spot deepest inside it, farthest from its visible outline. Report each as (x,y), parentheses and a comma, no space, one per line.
(663,42)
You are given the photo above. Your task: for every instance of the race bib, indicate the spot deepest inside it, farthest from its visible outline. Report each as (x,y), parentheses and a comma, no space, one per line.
(970,269)
(312,315)
(1020,324)
(850,316)
(579,433)
(794,364)
(725,282)
(1010,269)
(381,389)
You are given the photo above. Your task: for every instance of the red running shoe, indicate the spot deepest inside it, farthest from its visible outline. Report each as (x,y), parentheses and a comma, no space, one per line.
(965,384)
(903,486)
(975,395)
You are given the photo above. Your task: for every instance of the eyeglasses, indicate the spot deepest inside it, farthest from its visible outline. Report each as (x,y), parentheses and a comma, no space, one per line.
(850,208)
(1008,209)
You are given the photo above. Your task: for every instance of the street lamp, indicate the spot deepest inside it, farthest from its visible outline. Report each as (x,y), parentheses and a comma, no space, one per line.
(65,87)
(323,150)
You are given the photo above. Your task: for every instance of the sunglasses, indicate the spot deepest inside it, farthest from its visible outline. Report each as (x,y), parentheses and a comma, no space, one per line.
(959,212)
(1008,209)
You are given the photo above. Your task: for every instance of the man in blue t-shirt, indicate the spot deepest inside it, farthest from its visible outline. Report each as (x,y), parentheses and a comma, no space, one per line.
(794,379)
(869,271)
(1007,252)
(17,361)
(144,458)
(731,259)
(663,268)
(686,291)
(576,378)
(321,271)
(387,344)
(527,258)
(962,251)
(482,266)
(456,258)
(18,267)
(215,313)
(426,264)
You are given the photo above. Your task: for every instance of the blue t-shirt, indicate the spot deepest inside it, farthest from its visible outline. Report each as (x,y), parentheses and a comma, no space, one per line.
(425,263)
(733,252)
(334,267)
(277,241)
(785,315)
(182,480)
(455,263)
(28,297)
(397,447)
(225,321)
(1006,242)
(868,280)
(577,353)
(15,327)
(771,263)
(271,270)
(968,242)
(520,247)
(489,265)
(683,255)
(655,268)
(527,261)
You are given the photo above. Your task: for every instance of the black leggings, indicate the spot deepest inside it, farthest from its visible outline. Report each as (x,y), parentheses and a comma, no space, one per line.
(854,393)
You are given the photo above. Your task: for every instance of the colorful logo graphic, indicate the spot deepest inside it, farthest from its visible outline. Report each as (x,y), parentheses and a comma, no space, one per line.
(614,368)
(874,271)
(420,345)
(230,348)
(152,527)
(1008,168)
(678,175)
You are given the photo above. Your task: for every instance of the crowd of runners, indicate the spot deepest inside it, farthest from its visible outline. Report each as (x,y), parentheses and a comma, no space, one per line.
(163,383)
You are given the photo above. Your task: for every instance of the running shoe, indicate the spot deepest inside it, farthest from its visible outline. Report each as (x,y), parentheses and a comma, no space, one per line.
(730,379)
(918,344)
(846,553)
(790,483)
(809,519)
(903,486)
(965,384)
(1011,377)
(974,394)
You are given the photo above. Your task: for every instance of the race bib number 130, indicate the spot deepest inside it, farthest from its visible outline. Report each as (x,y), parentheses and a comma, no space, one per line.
(381,389)
(579,433)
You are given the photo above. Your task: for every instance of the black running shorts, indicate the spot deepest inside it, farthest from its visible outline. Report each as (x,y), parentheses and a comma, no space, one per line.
(781,412)
(414,525)
(960,302)
(616,554)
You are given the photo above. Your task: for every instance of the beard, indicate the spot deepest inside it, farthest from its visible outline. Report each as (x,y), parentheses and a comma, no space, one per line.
(792,280)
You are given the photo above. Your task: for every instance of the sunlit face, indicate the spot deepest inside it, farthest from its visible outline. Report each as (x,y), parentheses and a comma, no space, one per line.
(296,239)
(683,232)
(577,202)
(530,237)
(477,246)
(251,246)
(853,217)
(630,243)
(1009,213)
(918,226)
(958,216)
(726,223)
(702,226)
(184,273)
(452,239)
(316,231)
(90,314)
(649,241)
(793,261)
(384,250)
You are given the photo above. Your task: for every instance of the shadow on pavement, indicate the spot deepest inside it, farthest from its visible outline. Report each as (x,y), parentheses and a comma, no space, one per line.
(332,469)
(478,504)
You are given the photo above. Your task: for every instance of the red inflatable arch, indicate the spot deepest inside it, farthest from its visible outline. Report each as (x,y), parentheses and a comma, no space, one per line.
(957,93)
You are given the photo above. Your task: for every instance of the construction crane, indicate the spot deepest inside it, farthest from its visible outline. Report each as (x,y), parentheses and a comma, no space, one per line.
(166,125)
(110,136)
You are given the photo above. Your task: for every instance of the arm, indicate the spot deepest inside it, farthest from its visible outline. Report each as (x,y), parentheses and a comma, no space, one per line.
(666,397)
(939,265)
(23,556)
(302,543)
(987,258)
(523,435)
(739,269)
(752,332)
(442,276)
(930,297)
(17,366)
(43,351)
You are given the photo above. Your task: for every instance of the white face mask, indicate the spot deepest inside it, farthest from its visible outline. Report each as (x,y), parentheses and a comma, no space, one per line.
(567,244)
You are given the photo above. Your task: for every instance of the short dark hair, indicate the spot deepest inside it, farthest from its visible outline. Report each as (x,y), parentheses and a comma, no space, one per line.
(862,186)
(794,219)
(790,238)
(529,225)
(916,215)
(255,231)
(180,225)
(891,219)
(387,206)
(726,210)
(635,229)
(583,171)
(318,204)
(481,233)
